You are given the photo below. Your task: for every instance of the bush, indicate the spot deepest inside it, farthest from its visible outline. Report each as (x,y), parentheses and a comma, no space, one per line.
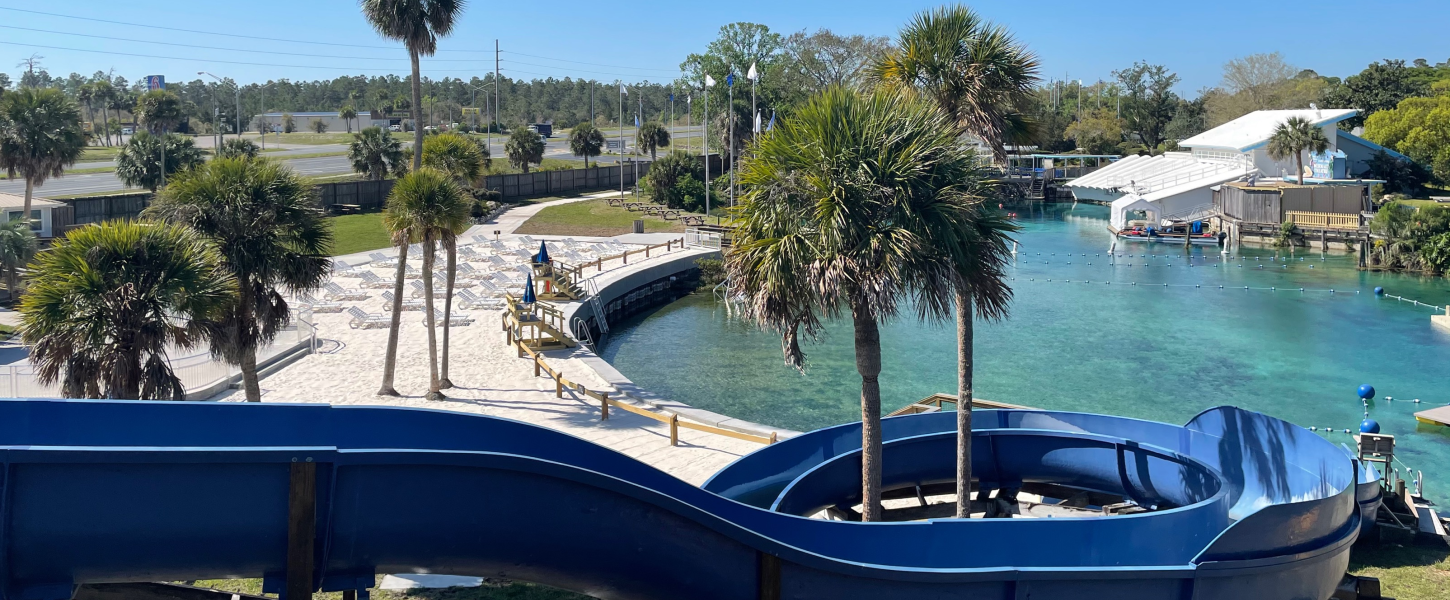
(692,194)
(666,176)
(319,126)
(712,271)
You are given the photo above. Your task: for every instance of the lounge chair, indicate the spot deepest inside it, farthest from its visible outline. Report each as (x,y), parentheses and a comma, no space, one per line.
(466,271)
(365,320)
(332,291)
(492,289)
(455,319)
(498,262)
(528,241)
(319,306)
(371,280)
(407,304)
(419,290)
(467,300)
(382,260)
(342,269)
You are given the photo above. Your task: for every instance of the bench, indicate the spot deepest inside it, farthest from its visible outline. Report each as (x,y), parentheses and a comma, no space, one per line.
(670,214)
(345,209)
(615,201)
(633,206)
(692,220)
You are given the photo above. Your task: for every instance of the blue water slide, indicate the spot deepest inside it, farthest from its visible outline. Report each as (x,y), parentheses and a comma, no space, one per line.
(105,491)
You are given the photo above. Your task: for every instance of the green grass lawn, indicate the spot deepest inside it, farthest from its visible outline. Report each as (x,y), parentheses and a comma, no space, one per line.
(593,218)
(1405,572)
(309,138)
(99,153)
(501,166)
(487,591)
(358,233)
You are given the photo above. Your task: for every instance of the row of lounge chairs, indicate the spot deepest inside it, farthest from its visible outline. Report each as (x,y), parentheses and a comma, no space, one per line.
(361,319)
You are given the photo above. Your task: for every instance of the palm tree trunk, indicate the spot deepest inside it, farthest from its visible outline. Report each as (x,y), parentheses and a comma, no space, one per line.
(965,335)
(245,323)
(417,122)
(451,245)
(390,363)
(1298,162)
(434,392)
(29,193)
(868,364)
(106,121)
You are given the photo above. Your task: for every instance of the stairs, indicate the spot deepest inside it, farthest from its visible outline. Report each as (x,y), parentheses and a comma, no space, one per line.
(1037,189)
(561,281)
(538,326)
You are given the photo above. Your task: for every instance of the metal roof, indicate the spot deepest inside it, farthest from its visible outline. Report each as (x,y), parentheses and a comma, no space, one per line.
(1253,130)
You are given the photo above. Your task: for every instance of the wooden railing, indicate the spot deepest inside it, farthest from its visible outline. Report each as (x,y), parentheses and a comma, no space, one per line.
(598,263)
(542,368)
(938,402)
(1322,220)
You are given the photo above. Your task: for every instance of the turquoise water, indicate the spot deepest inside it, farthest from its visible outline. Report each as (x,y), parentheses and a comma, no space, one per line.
(1144,350)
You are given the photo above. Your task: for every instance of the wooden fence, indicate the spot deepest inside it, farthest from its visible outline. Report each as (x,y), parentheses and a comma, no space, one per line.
(367,195)
(552,183)
(577,271)
(1323,220)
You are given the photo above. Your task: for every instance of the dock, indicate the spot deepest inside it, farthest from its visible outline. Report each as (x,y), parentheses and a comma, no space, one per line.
(1434,416)
(1441,321)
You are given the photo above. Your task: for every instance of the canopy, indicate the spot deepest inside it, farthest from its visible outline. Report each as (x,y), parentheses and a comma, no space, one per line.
(529,297)
(1133,203)
(543,256)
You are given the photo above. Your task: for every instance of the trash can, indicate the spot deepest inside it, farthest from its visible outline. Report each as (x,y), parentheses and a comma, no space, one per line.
(639,225)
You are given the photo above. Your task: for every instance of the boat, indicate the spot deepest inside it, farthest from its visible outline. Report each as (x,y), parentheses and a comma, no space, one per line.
(1172,234)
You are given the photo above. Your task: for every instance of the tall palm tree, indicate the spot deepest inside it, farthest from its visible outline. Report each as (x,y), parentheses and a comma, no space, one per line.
(418,24)
(422,207)
(160,111)
(459,158)
(652,136)
(1292,138)
(374,152)
(140,162)
(523,148)
(40,136)
(979,76)
(348,113)
(17,247)
(106,303)
(586,140)
(264,220)
(852,205)
(86,95)
(103,93)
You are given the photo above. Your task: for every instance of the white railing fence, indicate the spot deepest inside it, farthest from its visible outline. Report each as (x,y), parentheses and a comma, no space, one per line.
(704,239)
(197,369)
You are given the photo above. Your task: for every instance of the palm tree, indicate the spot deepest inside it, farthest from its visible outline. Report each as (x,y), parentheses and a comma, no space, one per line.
(348,113)
(850,205)
(652,136)
(1294,136)
(418,24)
(17,247)
(264,220)
(375,152)
(40,136)
(979,77)
(86,94)
(524,147)
(423,207)
(454,155)
(106,303)
(586,140)
(159,111)
(238,148)
(458,157)
(103,93)
(121,99)
(139,163)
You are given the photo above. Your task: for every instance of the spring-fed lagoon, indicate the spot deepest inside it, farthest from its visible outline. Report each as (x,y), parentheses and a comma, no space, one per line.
(1103,334)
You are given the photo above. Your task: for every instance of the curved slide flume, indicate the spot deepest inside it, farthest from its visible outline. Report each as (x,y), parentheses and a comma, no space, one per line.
(100,491)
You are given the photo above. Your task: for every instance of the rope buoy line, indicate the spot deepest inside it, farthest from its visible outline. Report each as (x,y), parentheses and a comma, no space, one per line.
(1188,285)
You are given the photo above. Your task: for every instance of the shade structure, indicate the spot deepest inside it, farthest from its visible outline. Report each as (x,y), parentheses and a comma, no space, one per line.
(529,297)
(543,256)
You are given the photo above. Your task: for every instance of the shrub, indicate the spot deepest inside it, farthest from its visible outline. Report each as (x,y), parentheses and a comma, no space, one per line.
(319,126)
(712,271)
(666,176)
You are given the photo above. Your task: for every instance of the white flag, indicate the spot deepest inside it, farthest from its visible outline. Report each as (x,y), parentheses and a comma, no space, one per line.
(709,81)
(751,74)
(757,121)
(622,91)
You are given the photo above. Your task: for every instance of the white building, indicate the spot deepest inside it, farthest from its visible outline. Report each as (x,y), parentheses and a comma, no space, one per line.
(41,212)
(1178,186)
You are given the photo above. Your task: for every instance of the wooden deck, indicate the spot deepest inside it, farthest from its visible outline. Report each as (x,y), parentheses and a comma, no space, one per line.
(1434,416)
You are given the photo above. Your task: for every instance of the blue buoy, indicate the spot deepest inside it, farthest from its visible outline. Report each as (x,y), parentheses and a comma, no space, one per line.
(1369,426)
(1379,291)
(1366,391)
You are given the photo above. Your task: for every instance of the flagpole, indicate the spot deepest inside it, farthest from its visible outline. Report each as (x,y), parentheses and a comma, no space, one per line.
(638,122)
(730,83)
(672,117)
(621,140)
(705,150)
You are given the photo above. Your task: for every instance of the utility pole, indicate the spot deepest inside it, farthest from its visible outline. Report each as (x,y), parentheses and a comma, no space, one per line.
(689,110)
(672,116)
(638,122)
(621,139)
(495,96)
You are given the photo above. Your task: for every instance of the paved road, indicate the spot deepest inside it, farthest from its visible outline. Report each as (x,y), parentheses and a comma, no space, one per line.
(92,183)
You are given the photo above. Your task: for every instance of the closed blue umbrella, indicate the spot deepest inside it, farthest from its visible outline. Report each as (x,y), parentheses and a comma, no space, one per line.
(543,256)
(529,297)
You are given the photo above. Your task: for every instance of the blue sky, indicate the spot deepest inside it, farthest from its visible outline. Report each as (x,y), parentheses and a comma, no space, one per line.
(647,39)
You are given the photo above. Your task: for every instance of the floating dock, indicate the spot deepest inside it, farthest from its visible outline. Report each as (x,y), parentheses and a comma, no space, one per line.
(1434,416)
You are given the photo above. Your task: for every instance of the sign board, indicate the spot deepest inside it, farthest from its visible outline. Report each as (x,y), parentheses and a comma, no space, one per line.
(613,144)
(155,82)
(470,111)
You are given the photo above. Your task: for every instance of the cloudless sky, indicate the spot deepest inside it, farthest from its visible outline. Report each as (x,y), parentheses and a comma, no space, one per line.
(648,39)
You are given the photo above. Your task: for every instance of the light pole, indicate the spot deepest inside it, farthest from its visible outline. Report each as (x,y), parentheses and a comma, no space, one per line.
(621,139)
(474,105)
(266,123)
(238,90)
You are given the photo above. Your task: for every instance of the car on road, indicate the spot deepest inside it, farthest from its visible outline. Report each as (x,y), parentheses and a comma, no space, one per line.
(395,128)
(127,131)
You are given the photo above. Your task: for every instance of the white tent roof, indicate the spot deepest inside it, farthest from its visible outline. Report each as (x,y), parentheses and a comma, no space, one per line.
(1253,130)
(1133,202)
